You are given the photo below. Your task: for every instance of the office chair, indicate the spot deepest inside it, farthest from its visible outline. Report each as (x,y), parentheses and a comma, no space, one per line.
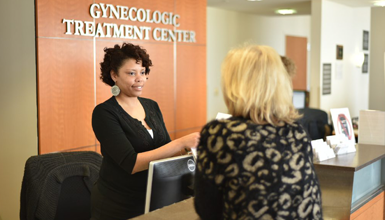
(315,122)
(57,186)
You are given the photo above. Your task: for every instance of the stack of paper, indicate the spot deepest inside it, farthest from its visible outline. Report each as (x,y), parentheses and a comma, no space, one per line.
(340,144)
(321,150)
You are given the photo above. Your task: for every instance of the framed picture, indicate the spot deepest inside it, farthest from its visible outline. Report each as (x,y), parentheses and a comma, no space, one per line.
(343,123)
(365,65)
(326,79)
(365,40)
(340,52)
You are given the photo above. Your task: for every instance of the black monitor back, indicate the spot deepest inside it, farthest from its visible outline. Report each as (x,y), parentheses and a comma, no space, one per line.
(169,181)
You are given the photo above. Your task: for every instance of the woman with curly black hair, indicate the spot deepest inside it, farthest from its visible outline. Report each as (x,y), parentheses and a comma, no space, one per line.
(131,132)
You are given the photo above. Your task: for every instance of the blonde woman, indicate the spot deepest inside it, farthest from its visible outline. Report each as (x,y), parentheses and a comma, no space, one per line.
(258,163)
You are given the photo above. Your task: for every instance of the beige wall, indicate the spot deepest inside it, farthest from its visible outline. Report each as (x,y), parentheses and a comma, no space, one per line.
(18,118)
(376,60)
(234,29)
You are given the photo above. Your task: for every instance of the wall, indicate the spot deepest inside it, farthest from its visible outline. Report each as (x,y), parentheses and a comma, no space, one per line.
(376,60)
(233,29)
(69,86)
(18,118)
(343,25)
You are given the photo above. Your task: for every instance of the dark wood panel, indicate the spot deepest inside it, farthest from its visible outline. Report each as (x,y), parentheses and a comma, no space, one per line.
(65,94)
(191,86)
(193,17)
(296,49)
(50,15)
(179,134)
(161,85)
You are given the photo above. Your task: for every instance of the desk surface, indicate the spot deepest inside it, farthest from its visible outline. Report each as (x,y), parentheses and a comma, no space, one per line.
(183,210)
(365,154)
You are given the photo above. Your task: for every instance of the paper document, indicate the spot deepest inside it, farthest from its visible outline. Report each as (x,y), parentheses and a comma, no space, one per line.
(194,153)
(221,115)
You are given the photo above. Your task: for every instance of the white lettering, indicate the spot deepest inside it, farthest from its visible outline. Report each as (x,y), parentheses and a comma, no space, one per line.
(171,35)
(118,31)
(68,25)
(156,17)
(164,18)
(192,36)
(155,34)
(108,29)
(170,18)
(130,14)
(90,28)
(179,35)
(141,15)
(79,28)
(164,35)
(174,21)
(104,10)
(123,12)
(114,11)
(147,30)
(128,30)
(148,16)
(185,36)
(138,33)
(99,31)
(94,14)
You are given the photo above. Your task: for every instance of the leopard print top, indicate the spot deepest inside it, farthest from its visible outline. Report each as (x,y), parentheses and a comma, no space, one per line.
(250,171)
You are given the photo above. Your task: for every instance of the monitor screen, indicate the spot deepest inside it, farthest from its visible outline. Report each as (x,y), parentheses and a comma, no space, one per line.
(169,181)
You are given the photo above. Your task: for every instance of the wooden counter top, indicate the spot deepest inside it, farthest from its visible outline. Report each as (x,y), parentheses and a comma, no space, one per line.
(365,154)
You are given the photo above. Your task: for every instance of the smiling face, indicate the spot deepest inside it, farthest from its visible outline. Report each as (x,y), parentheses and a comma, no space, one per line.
(131,78)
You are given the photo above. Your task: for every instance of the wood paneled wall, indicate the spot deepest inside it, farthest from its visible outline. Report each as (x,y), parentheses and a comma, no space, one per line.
(296,49)
(372,210)
(68,71)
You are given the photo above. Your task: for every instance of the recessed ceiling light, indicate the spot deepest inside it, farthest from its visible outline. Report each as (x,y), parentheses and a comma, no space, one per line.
(286,11)
(254,0)
(380,3)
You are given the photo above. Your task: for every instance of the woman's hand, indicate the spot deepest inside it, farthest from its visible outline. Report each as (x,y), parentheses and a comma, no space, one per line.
(174,148)
(190,141)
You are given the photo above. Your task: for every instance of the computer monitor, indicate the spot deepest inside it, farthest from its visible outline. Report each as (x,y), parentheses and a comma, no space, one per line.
(169,181)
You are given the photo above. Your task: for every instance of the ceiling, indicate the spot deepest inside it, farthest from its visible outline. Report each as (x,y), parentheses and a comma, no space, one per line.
(268,7)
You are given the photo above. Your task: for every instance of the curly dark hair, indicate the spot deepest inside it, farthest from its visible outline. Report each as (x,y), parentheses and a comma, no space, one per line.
(114,57)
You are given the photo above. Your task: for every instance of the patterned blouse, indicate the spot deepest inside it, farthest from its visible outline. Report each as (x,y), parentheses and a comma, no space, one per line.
(250,171)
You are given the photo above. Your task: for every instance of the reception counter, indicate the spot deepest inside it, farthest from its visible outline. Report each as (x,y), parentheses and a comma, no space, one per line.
(183,210)
(348,183)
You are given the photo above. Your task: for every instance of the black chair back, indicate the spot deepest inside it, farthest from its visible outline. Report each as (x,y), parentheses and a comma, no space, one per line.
(58,186)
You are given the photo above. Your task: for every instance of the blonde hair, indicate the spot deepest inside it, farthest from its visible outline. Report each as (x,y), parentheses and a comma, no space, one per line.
(256,86)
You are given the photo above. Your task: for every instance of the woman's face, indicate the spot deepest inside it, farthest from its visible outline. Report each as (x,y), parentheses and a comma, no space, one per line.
(131,78)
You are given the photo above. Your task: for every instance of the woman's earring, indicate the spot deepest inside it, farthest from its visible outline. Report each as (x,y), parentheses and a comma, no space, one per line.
(115,90)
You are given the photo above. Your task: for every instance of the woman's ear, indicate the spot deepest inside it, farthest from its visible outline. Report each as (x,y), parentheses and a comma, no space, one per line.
(113,75)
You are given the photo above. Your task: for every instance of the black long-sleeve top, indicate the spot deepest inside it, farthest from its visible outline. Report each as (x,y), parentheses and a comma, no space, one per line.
(250,171)
(121,138)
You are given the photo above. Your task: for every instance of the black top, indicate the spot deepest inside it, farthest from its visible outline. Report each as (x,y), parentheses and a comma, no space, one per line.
(121,138)
(250,171)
